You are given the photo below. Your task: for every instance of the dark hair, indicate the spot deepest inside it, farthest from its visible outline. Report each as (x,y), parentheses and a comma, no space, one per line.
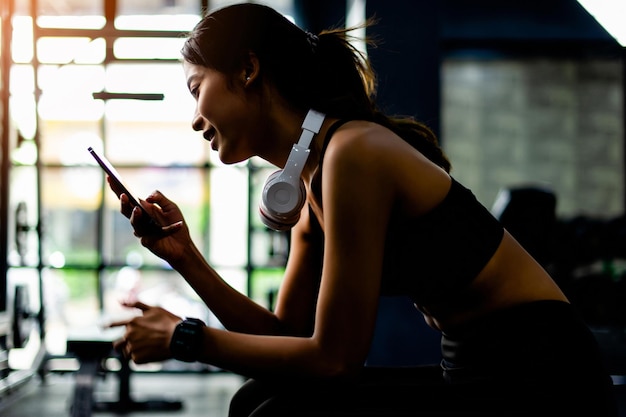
(325,72)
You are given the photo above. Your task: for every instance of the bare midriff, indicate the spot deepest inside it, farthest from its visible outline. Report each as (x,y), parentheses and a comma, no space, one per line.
(507,280)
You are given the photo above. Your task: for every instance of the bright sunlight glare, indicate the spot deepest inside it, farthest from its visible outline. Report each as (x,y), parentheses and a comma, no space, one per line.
(610,14)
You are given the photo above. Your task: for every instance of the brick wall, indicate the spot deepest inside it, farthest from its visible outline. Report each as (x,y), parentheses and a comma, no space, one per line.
(541,122)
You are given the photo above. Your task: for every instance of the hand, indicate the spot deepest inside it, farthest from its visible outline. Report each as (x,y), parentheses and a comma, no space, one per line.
(147,337)
(168,242)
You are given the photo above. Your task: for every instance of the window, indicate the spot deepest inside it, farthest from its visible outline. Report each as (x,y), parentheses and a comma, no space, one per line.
(125,94)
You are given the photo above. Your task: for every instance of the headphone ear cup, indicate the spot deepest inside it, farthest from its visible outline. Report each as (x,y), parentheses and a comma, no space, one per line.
(281,202)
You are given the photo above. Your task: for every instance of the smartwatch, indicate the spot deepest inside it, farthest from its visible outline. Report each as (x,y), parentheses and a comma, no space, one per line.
(186,342)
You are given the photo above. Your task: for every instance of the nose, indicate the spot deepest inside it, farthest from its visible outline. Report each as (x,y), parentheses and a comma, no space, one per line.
(197,123)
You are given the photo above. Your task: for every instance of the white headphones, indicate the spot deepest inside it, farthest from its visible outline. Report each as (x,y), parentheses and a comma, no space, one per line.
(284,194)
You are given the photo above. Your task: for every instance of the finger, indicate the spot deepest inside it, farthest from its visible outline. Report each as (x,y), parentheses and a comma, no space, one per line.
(137,304)
(157,198)
(128,351)
(113,186)
(125,207)
(135,215)
(150,205)
(119,344)
(119,323)
(136,220)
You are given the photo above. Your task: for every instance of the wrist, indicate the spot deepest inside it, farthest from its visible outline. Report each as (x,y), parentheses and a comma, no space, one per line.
(188,258)
(187,340)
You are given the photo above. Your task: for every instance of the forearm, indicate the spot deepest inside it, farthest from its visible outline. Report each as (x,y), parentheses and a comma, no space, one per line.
(260,356)
(235,310)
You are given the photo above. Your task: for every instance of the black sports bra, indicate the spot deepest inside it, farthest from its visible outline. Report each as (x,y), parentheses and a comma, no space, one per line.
(433,257)
(436,256)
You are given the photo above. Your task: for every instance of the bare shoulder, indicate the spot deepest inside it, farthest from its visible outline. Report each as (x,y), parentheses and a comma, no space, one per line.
(362,139)
(363,151)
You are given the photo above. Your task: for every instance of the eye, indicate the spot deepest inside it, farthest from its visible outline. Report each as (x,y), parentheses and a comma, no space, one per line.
(194,91)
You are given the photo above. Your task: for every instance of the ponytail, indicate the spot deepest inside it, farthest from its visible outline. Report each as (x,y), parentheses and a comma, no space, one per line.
(347,90)
(325,71)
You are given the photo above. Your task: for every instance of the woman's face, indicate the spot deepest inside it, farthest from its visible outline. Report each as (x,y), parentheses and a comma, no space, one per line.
(222,112)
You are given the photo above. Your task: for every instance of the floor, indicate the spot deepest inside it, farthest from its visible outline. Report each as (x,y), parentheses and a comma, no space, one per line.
(201,394)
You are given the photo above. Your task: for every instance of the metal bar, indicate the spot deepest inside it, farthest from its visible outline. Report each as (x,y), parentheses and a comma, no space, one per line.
(6,10)
(109,32)
(105,95)
(41,316)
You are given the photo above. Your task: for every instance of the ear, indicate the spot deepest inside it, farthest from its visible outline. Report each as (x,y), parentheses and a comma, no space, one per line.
(251,69)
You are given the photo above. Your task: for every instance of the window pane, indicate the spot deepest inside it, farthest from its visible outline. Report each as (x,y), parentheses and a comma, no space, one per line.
(259,176)
(67,50)
(265,283)
(269,248)
(67,92)
(72,306)
(167,22)
(22,42)
(236,278)
(70,118)
(71,197)
(77,14)
(22,80)
(175,15)
(22,102)
(148,48)
(150,8)
(229,213)
(69,8)
(167,79)
(159,143)
(66,141)
(183,186)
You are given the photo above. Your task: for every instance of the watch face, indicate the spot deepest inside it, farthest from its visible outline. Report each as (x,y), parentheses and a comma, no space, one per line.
(187,330)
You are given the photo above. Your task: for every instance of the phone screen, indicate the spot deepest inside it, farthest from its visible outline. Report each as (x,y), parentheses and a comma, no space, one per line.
(115,177)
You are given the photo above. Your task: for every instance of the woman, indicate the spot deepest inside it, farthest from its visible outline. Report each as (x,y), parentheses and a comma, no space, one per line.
(381,216)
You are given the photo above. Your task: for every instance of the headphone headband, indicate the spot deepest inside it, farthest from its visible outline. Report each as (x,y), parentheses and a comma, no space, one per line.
(311,127)
(300,151)
(283,194)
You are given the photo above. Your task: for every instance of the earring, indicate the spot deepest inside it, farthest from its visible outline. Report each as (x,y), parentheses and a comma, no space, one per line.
(248,78)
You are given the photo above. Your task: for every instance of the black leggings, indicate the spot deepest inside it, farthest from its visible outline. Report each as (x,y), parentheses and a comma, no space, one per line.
(534,360)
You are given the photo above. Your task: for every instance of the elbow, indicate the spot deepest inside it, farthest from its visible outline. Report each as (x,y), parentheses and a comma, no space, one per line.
(337,357)
(338,369)
(337,364)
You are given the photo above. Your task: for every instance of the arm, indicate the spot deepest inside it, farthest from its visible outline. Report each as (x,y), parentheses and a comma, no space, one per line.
(148,336)
(357,197)
(234,310)
(357,202)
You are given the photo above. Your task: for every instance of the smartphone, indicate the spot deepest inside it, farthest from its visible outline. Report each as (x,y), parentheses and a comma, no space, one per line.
(118,184)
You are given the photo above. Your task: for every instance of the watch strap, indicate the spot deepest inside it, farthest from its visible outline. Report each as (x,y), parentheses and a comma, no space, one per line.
(186,342)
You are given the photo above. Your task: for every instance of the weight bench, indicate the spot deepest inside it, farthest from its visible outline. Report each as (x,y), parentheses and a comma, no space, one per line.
(92,354)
